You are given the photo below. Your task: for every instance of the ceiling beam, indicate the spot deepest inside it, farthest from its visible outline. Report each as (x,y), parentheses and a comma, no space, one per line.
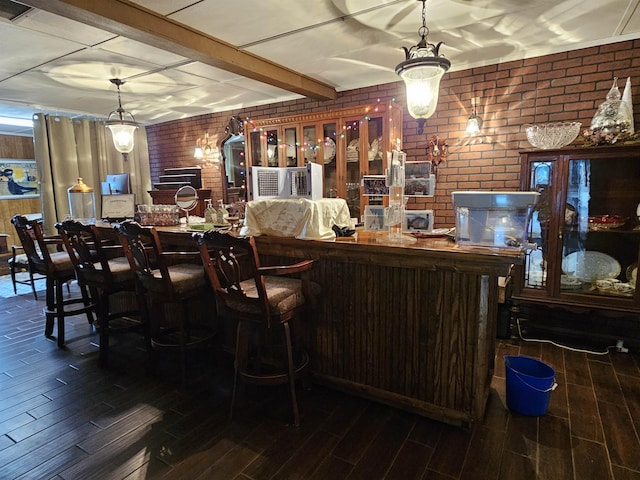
(133,21)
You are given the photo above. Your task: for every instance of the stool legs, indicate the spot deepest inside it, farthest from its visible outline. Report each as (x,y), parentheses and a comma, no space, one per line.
(292,374)
(243,340)
(55,308)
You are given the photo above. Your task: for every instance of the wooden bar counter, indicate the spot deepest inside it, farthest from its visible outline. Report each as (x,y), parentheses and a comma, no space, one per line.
(409,325)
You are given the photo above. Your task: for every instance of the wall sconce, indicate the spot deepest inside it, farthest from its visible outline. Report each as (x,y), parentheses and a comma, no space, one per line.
(203,147)
(437,150)
(421,73)
(475,122)
(122,125)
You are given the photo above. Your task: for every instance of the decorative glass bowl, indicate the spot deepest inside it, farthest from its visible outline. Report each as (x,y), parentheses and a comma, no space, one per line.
(552,135)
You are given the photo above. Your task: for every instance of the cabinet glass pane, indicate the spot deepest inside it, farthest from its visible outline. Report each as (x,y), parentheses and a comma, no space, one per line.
(310,144)
(352,141)
(291,146)
(330,184)
(541,174)
(600,233)
(375,151)
(272,148)
(256,151)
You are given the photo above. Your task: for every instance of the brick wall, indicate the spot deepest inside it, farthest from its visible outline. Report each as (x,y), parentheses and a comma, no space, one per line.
(563,86)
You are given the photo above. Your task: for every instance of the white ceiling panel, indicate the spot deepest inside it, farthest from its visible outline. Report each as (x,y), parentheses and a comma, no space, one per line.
(63,28)
(54,64)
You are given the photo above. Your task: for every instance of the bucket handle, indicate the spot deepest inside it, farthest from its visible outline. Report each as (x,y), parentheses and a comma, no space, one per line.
(550,389)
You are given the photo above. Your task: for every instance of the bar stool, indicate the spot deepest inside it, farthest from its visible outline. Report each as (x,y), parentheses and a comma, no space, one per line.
(264,302)
(165,278)
(102,266)
(58,269)
(19,262)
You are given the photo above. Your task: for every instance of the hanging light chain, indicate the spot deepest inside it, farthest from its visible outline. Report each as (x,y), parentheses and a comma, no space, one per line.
(423,31)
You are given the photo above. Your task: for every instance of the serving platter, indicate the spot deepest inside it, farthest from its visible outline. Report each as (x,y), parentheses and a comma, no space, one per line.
(590,266)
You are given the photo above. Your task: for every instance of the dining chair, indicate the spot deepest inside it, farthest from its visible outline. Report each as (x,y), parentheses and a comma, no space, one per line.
(166,278)
(102,266)
(264,301)
(58,269)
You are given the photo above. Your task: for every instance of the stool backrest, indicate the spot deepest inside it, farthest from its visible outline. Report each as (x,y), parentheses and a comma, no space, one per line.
(88,249)
(228,261)
(31,237)
(141,246)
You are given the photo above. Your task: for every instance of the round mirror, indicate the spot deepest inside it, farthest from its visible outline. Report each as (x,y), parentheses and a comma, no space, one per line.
(186,199)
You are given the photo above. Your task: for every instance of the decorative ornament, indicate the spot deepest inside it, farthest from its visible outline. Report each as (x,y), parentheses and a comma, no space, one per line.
(437,150)
(627,98)
(612,121)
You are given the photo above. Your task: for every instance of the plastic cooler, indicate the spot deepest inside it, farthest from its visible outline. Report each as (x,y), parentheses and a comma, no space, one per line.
(493,219)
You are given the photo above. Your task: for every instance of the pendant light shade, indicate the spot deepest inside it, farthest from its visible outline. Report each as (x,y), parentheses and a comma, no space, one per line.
(421,72)
(122,124)
(475,122)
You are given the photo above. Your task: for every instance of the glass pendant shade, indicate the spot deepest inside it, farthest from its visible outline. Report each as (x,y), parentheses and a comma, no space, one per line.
(473,125)
(422,81)
(123,135)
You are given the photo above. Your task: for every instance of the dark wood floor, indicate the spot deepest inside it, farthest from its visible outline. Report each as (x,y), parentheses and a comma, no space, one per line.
(62,417)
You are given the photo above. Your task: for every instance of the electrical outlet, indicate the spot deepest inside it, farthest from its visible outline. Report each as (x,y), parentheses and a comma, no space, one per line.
(620,347)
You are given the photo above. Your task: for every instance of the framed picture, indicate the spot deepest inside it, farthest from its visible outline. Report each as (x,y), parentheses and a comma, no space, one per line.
(374,185)
(374,217)
(418,179)
(18,179)
(418,221)
(118,206)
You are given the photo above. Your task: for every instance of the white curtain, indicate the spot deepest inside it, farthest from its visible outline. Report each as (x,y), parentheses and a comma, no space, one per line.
(67,149)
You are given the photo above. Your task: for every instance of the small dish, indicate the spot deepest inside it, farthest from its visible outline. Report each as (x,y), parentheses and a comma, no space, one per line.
(606,222)
(632,273)
(329,150)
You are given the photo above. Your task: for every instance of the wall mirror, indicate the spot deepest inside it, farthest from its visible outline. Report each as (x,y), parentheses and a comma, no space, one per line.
(235,170)
(186,199)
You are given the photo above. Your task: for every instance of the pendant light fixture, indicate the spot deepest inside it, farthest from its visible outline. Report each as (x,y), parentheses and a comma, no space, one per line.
(122,125)
(475,122)
(421,71)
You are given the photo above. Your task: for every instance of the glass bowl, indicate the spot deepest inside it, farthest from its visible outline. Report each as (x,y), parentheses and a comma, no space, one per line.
(552,135)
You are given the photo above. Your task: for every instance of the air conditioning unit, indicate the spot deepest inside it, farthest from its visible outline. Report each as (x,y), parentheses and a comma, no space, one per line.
(286,182)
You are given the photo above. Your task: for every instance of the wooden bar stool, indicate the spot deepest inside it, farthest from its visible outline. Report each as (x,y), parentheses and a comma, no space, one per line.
(165,278)
(264,302)
(102,266)
(58,269)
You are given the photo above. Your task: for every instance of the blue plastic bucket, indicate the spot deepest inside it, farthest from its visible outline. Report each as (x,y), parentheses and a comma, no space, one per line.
(529,385)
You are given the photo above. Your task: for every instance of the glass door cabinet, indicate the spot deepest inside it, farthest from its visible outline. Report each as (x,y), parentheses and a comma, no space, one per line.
(586,227)
(348,143)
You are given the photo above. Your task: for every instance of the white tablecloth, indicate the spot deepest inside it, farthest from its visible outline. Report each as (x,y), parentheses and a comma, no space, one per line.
(299,218)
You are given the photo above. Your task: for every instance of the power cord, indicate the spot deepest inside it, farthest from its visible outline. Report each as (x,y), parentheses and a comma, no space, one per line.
(573,349)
